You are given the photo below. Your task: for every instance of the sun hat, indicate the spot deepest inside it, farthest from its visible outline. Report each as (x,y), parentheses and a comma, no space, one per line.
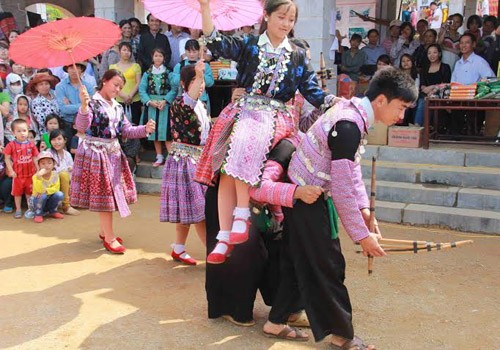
(38,78)
(45,154)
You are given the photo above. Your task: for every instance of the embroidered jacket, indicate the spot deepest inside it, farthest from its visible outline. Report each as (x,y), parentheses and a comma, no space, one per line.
(312,164)
(245,50)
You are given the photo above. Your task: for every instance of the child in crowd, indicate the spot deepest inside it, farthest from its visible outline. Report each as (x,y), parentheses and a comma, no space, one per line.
(192,53)
(63,166)
(52,122)
(157,91)
(182,199)
(21,111)
(46,193)
(20,163)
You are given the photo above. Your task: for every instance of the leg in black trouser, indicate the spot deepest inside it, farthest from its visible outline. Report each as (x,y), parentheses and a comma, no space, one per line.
(69,132)
(287,299)
(5,192)
(320,270)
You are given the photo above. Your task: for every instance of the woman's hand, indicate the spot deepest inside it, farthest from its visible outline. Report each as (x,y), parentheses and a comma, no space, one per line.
(307,194)
(199,68)
(84,98)
(203,2)
(371,247)
(150,126)
(153,103)
(365,212)
(237,94)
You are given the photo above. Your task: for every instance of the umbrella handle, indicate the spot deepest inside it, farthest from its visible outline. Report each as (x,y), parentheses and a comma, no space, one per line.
(74,66)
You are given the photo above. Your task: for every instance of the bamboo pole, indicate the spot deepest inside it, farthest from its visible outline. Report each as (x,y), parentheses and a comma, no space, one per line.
(373,187)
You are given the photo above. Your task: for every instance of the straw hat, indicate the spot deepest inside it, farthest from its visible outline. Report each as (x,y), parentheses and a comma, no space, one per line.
(38,78)
(82,64)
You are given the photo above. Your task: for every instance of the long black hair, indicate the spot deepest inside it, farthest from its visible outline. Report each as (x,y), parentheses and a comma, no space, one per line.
(110,74)
(272,6)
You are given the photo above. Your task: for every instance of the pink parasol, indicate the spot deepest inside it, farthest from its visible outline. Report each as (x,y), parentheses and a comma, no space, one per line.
(64,42)
(226,14)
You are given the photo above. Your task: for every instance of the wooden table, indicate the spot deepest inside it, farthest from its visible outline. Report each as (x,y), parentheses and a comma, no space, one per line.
(433,105)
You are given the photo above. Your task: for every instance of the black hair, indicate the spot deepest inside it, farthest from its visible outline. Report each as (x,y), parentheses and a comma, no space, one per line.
(433,31)
(433,3)
(125,44)
(393,84)
(25,98)
(16,122)
(187,75)
(271,6)
(300,43)
(373,30)
(134,19)
(407,24)
(53,116)
(56,133)
(424,21)
(149,16)
(192,44)
(471,36)
(474,18)
(159,50)
(384,59)
(491,19)
(438,48)
(357,37)
(33,133)
(413,70)
(459,15)
(110,74)
(123,22)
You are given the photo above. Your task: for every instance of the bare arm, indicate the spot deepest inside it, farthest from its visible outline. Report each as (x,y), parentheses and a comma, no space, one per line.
(206,18)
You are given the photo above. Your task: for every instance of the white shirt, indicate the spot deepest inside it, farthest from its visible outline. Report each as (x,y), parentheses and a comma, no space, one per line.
(471,70)
(436,23)
(264,41)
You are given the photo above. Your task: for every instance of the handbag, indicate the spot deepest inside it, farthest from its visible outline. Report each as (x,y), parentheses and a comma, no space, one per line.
(266,224)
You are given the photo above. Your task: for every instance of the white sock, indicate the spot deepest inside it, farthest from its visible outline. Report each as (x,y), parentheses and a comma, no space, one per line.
(159,158)
(220,248)
(223,236)
(179,248)
(240,213)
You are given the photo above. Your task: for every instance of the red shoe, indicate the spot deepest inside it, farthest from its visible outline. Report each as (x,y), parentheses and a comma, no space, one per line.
(240,237)
(119,250)
(57,215)
(117,238)
(38,219)
(177,257)
(218,258)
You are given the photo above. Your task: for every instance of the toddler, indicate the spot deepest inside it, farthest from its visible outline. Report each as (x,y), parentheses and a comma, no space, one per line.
(52,122)
(46,185)
(20,163)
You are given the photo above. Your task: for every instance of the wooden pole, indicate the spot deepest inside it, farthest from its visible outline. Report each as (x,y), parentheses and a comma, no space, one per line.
(372,209)
(322,69)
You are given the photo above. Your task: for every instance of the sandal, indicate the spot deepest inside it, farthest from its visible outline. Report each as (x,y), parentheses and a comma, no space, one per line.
(285,334)
(238,323)
(18,214)
(354,344)
(301,321)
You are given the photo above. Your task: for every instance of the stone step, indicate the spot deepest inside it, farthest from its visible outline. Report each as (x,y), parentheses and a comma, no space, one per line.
(415,193)
(146,170)
(147,186)
(469,177)
(476,198)
(460,219)
(454,157)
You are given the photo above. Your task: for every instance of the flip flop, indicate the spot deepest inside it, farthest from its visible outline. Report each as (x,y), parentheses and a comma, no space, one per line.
(354,344)
(285,334)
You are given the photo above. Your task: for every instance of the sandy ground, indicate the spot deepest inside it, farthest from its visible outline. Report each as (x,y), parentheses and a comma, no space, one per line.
(61,290)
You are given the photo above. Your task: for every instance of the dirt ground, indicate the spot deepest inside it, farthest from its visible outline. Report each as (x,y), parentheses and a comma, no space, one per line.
(61,290)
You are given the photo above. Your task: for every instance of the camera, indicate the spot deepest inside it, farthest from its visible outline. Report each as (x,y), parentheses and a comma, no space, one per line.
(449,22)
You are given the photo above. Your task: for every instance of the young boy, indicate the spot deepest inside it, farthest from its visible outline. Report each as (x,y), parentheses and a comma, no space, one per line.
(328,157)
(46,188)
(20,163)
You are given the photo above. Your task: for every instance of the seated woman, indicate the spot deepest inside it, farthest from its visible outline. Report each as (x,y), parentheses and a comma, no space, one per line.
(431,76)
(353,59)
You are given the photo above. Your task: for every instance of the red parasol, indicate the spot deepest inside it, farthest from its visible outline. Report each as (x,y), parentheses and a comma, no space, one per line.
(226,14)
(64,42)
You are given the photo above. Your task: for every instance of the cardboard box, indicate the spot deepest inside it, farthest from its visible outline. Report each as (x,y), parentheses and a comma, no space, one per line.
(406,136)
(492,123)
(378,136)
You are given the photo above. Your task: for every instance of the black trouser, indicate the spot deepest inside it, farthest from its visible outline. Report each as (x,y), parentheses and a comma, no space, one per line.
(5,192)
(320,270)
(69,132)
(287,298)
(135,111)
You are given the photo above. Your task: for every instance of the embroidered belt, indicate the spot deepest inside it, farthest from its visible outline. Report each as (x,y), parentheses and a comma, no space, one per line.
(179,150)
(262,103)
(102,145)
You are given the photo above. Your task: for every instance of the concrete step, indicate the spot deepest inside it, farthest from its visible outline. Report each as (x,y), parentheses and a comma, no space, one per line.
(146,170)
(453,157)
(147,186)
(415,193)
(475,198)
(460,219)
(460,176)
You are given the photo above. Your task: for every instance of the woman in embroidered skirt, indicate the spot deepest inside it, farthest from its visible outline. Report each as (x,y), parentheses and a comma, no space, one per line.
(157,91)
(101,179)
(271,69)
(182,199)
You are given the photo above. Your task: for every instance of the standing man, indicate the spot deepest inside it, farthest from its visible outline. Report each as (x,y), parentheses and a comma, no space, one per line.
(175,36)
(68,97)
(436,18)
(151,40)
